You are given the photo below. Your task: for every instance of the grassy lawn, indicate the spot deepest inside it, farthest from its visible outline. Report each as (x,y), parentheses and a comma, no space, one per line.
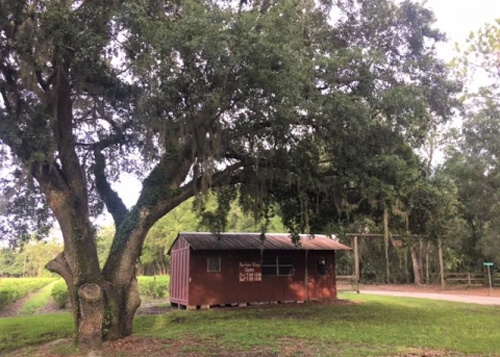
(372,326)
(19,332)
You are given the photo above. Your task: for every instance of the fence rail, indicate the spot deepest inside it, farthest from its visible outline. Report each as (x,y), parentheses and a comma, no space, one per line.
(471,279)
(346,278)
(347,283)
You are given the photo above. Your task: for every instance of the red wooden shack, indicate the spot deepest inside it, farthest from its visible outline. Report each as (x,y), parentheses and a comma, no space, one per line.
(241,268)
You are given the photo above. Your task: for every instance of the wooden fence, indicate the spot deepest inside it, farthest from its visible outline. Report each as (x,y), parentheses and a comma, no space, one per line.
(347,283)
(471,279)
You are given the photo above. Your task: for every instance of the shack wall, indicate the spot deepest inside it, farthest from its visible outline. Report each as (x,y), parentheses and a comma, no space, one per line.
(225,287)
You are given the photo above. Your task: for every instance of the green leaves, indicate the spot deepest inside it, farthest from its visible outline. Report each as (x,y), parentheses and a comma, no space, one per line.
(318,116)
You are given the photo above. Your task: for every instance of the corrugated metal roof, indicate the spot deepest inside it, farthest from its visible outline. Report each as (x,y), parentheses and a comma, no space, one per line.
(252,241)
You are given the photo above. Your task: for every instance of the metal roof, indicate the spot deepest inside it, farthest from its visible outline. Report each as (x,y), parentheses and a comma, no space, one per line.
(253,241)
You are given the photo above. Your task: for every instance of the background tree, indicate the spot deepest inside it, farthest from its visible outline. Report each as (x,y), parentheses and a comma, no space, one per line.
(473,154)
(30,260)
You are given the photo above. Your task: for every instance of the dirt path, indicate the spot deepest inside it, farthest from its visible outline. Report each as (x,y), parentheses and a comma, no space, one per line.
(13,309)
(446,296)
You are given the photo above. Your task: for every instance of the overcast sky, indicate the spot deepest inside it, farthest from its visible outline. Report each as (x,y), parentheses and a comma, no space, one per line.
(457,18)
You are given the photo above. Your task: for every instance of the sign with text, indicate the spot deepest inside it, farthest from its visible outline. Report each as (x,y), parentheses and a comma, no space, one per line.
(488,264)
(250,272)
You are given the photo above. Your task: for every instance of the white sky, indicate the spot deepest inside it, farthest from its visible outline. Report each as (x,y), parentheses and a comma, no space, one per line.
(457,18)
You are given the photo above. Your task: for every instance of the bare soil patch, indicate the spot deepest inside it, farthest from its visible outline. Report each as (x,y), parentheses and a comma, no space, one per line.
(52,307)
(135,346)
(431,353)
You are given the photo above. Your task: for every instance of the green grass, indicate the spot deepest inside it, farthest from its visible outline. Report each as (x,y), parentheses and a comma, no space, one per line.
(19,332)
(373,326)
(37,301)
(12,289)
(381,324)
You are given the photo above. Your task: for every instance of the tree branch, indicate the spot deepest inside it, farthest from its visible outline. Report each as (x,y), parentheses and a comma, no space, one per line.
(63,130)
(41,81)
(111,199)
(113,202)
(157,198)
(60,266)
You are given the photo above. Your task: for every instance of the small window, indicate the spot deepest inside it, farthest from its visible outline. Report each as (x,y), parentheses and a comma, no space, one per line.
(285,270)
(269,270)
(275,266)
(285,266)
(213,264)
(269,266)
(322,270)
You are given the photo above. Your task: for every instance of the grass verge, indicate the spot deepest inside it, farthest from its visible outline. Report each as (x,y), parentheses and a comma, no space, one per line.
(372,326)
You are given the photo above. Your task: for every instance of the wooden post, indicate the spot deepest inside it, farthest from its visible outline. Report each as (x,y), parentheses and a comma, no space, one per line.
(386,245)
(421,259)
(24,265)
(427,272)
(441,264)
(356,258)
(489,280)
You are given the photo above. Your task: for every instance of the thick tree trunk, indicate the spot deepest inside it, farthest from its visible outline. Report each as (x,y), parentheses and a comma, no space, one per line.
(102,310)
(121,305)
(91,315)
(87,302)
(78,264)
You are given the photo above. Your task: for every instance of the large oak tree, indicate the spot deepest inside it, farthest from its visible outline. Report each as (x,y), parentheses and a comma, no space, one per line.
(194,95)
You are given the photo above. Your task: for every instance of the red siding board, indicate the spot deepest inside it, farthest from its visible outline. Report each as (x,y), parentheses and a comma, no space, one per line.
(179,282)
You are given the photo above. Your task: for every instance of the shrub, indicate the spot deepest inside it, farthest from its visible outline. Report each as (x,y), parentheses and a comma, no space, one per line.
(60,294)
(12,289)
(154,286)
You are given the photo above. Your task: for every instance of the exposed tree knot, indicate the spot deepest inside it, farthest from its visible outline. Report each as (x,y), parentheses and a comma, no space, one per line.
(90,292)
